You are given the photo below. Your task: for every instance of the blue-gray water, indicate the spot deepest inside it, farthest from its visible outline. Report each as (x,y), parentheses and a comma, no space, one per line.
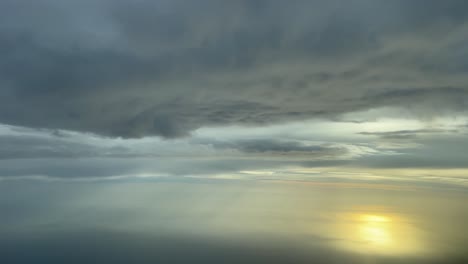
(230,221)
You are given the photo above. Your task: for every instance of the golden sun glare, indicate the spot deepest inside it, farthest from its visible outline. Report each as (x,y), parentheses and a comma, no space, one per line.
(378,233)
(375,230)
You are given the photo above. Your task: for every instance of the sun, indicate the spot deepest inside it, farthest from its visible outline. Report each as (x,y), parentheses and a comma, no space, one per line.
(375,230)
(380,233)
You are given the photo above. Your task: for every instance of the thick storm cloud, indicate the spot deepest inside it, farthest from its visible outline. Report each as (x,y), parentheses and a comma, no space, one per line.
(139,68)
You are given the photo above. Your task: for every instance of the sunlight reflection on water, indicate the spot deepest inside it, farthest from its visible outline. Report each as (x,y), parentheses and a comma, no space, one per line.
(383,233)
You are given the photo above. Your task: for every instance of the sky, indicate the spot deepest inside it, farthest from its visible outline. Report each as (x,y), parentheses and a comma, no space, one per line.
(253,131)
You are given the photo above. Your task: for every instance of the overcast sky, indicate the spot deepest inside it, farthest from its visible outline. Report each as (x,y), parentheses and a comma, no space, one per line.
(333,92)
(209,87)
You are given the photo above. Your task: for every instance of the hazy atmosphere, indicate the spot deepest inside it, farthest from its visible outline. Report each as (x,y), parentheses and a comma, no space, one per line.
(233,131)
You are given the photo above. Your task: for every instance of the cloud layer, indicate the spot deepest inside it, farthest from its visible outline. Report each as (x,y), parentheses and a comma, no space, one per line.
(138,68)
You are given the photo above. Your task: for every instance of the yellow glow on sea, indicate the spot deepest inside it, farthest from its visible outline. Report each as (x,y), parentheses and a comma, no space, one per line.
(378,233)
(375,230)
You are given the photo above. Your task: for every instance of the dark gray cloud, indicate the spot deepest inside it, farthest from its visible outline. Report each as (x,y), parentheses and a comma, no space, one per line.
(138,68)
(16,146)
(29,143)
(407,134)
(273,147)
(67,155)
